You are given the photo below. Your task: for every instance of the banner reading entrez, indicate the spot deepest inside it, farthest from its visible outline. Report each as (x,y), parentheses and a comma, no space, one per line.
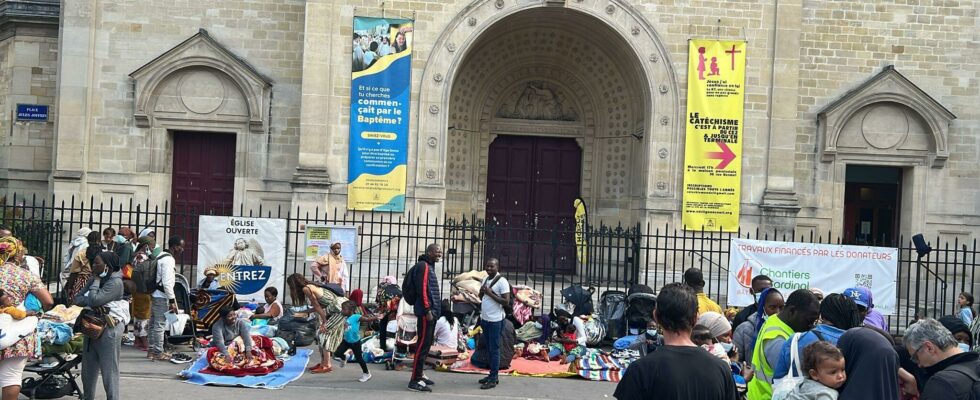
(381,75)
(248,254)
(831,268)
(713,146)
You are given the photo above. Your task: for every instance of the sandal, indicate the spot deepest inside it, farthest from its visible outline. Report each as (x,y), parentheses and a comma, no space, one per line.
(321,370)
(314,367)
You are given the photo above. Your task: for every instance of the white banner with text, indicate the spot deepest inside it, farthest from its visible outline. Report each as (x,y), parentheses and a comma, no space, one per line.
(831,268)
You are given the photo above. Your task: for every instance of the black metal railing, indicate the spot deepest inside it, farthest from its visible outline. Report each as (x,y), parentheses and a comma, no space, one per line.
(616,257)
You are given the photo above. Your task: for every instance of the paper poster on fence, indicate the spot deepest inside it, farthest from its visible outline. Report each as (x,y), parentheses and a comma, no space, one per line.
(831,268)
(714,135)
(319,238)
(249,254)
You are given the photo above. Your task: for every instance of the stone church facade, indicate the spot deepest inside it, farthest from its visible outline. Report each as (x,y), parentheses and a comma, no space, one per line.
(860,117)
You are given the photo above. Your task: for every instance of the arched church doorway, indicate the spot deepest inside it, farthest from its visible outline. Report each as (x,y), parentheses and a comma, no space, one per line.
(547,105)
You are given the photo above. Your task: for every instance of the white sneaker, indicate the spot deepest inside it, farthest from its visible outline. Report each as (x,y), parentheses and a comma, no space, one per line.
(364,378)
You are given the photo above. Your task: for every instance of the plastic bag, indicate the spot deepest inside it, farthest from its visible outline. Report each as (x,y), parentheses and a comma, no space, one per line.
(781,388)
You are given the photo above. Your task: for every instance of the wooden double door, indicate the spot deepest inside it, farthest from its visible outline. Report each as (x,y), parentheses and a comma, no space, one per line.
(532,183)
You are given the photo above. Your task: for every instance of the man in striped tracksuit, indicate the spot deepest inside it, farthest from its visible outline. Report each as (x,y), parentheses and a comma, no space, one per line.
(428,307)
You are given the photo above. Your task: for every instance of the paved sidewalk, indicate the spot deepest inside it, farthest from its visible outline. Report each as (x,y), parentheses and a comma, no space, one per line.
(158,380)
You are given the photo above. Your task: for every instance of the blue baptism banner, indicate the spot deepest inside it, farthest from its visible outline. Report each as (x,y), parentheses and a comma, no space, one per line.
(381,76)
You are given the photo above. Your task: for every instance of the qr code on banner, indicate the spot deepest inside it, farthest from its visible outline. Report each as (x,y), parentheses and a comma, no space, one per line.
(863,280)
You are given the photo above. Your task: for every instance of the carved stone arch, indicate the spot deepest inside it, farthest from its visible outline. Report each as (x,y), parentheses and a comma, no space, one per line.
(646,55)
(886,98)
(201,55)
(574,90)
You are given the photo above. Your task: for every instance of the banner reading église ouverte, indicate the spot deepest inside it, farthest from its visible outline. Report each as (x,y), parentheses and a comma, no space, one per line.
(381,75)
(713,145)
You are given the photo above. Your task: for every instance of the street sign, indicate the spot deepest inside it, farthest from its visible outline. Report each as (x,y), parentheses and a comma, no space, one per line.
(32,112)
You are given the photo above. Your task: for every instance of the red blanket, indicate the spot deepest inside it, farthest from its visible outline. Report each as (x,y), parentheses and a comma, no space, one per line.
(263,360)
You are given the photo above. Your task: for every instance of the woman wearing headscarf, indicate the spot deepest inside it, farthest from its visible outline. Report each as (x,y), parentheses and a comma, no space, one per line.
(872,365)
(81,266)
(331,268)
(142,302)
(745,334)
(718,326)
(104,297)
(837,314)
(18,283)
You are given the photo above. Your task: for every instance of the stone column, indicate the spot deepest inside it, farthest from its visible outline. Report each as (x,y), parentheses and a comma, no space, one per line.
(780,203)
(76,74)
(319,125)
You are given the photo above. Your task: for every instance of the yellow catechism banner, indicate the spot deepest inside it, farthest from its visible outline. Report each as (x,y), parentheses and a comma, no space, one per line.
(713,149)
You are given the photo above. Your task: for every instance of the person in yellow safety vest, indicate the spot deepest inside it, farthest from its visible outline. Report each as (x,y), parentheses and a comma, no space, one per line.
(800,313)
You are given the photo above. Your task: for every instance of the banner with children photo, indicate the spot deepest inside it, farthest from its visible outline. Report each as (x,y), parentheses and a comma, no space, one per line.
(246,255)
(381,76)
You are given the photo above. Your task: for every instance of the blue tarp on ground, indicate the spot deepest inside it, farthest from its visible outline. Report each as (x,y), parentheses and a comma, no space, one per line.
(291,370)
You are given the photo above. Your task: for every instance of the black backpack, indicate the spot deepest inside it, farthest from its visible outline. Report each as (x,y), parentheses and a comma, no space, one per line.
(970,370)
(508,308)
(410,290)
(145,275)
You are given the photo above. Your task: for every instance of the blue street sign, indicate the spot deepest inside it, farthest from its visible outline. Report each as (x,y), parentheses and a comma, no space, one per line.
(32,112)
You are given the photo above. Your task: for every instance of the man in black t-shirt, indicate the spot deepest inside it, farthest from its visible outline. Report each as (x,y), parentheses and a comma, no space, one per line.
(679,369)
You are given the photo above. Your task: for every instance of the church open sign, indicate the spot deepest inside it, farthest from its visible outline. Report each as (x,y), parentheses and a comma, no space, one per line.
(32,112)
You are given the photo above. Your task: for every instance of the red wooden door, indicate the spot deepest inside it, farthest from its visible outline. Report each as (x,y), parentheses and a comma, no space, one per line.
(531,184)
(202,183)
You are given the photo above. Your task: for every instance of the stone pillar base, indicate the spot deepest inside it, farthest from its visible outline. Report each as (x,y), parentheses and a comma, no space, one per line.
(779,211)
(66,184)
(311,190)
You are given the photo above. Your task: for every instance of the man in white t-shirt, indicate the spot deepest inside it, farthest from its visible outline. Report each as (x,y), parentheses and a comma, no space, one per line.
(495,293)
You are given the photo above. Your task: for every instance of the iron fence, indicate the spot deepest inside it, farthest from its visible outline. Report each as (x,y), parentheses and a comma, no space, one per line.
(616,257)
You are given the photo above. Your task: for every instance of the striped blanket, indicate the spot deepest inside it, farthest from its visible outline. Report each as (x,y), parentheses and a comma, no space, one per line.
(596,366)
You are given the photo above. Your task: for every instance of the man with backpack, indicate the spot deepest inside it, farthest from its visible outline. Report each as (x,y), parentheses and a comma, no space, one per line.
(164,300)
(954,373)
(421,289)
(496,299)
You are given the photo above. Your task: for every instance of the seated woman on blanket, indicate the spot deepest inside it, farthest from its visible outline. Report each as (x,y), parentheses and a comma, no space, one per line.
(227,329)
(273,309)
(570,338)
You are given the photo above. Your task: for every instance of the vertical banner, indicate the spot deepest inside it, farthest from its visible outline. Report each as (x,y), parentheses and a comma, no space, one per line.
(581,224)
(831,268)
(381,76)
(249,254)
(319,238)
(713,148)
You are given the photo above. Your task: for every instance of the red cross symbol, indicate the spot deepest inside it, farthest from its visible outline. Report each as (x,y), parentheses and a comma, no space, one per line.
(732,52)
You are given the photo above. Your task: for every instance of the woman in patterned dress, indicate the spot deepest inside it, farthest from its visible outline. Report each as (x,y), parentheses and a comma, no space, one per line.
(18,282)
(326,305)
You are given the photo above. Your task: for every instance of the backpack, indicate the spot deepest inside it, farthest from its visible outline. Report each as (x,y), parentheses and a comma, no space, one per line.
(410,290)
(509,307)
(970,370)
(145,275)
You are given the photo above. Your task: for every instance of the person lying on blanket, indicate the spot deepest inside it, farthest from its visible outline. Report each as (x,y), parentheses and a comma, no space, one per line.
(227,329)
(7,306)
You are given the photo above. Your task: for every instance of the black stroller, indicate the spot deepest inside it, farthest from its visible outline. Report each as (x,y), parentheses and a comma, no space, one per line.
(639,308)
(53,381)
(612,311)
(580,298)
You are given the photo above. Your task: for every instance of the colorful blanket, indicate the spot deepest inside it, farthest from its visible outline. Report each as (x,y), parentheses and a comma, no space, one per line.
(596,366)
(263,360)
(291,370)
(206,305)
(518,367)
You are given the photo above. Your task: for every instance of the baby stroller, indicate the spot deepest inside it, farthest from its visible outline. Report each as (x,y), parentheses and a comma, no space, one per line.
(406,336)
(580,298)
(612,312)
(54,381)
(182,294)
(639,308)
